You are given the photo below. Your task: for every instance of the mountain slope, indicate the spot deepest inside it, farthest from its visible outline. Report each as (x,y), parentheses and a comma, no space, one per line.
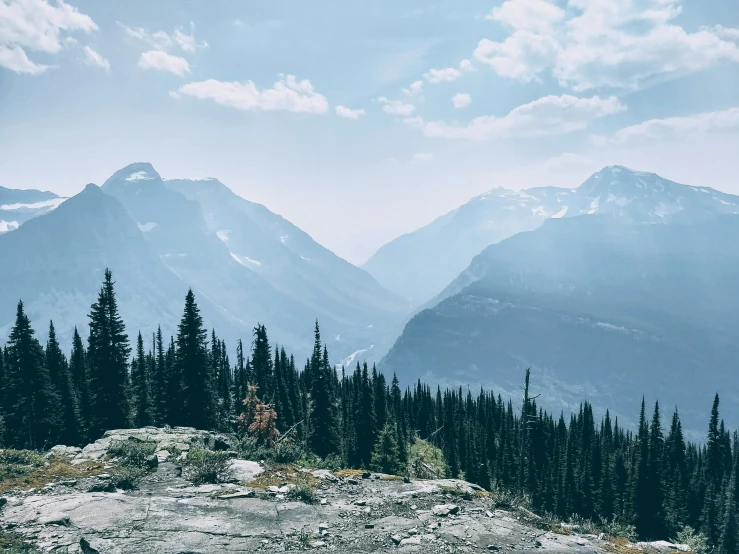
(18,206)
(254,264)
(419,265)
(598,308)
(56,264)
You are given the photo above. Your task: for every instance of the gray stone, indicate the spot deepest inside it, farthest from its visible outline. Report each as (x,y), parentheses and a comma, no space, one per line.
(245,471)
(410,540)
(443,510)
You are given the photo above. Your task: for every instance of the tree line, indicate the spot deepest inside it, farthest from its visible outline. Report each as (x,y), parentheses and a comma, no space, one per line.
(649,477)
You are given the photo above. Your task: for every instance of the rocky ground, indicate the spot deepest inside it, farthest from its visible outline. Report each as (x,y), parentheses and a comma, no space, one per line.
(350,512)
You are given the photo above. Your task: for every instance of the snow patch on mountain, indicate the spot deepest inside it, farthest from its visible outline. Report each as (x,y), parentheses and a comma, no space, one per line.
(146,227)
(53,203)
(139,176)
(560,213)
(223,235)
(6,226)
(244,260)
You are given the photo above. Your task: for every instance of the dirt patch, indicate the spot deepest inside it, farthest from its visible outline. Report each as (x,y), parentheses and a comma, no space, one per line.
(283,474)
(54,469)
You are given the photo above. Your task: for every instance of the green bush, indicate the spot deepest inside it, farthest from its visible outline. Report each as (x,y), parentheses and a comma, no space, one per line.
(132,452)
(21,457)
(302,493)
(206,466)
(127,477)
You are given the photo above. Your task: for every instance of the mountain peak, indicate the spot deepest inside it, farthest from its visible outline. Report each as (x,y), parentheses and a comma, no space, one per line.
(91,188)
(135,173)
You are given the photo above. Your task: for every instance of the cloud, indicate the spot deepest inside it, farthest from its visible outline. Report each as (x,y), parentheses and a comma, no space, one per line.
(286,94)
(441,75)
(36,25)
(15,59)
(448,74)
(161,61)
(96,60)
(601,43)
(188,42)
(238,23)
(461,100)
(414,89)
(422,157)
(348,113)
(673,127)
(162,40)
(396,107)
(547,116)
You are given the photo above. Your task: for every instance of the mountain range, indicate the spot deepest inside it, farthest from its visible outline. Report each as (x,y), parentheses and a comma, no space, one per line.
(419,265)
(245,264)
(623,285)
(639,297)
(18,206)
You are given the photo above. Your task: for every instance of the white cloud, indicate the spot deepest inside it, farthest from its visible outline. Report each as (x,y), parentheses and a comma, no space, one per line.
(532,15)
(461,100)
(161,61)
(448,74)
(95,59)
(15,59)
(422,157)
(396,107)
(415,88)
(601,43)
(550,115)
(674,127)
(441,75)
(162,40)
(348,113)
(286,94)
(36,25)
(188,42)
(728,33)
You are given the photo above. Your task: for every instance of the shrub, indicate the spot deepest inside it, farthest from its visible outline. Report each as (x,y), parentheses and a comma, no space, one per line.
(132,452)
(21,457)
(206,466)
(697,542)
(302,493)
(127,477)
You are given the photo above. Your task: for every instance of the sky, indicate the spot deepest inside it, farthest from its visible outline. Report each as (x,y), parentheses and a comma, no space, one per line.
(361,121)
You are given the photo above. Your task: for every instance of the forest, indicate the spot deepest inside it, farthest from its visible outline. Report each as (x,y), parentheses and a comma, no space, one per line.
(649,480)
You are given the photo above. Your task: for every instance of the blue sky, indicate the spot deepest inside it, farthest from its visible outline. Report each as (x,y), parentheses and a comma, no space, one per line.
(359,121)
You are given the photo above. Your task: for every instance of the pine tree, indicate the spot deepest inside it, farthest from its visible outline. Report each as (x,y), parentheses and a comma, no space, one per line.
(323,437)
(386,452)
(195,393)
(160,381)
(107,359)
(32,411)
(729,539)
(81,379)
(141,386)
(59,373)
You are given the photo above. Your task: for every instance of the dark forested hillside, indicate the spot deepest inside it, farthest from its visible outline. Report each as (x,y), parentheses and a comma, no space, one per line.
(648,480)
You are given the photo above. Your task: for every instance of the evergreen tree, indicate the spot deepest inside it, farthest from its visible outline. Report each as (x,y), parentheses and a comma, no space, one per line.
(32,411)
(107,360)
(386,453)
(59,373)
(324,437)
(195,391)
(81,379)
(142,398)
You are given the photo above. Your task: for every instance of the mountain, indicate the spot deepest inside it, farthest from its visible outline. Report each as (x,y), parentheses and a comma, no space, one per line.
(18,206)
(420,264)
(55,263)
(599,308)
(254,264)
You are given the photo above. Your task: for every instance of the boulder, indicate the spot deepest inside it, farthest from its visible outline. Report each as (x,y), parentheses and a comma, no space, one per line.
(443,510)
(245,471)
